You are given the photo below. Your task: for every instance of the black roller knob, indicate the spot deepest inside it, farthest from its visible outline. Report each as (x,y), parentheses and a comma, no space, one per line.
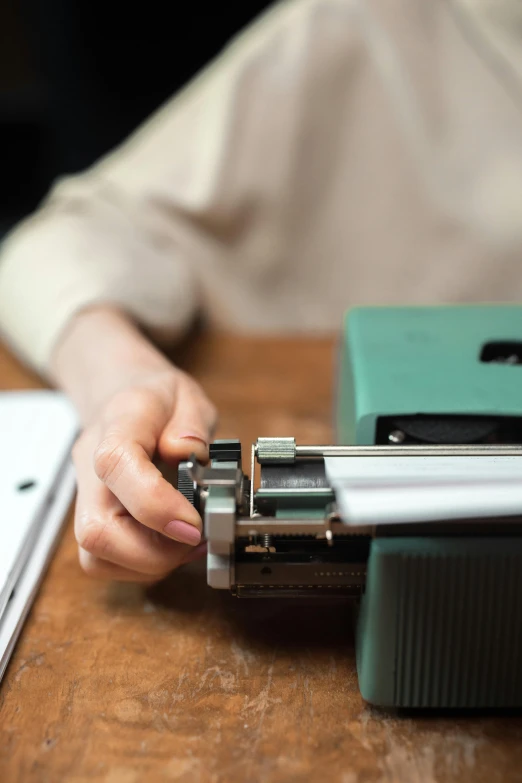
(226,451)
(186,485)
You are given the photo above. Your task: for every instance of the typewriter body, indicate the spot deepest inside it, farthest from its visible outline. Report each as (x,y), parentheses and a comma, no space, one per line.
(437,584)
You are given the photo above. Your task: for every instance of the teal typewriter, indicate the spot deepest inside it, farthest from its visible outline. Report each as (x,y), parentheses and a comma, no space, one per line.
(415,514)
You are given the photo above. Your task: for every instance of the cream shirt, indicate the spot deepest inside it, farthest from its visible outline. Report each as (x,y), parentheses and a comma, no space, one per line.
(339,152)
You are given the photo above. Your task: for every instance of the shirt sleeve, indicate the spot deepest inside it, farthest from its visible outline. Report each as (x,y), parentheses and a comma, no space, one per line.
(135,229)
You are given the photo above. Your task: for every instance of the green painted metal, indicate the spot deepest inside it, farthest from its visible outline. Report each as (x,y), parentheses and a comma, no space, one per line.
(440,624)
(409,360)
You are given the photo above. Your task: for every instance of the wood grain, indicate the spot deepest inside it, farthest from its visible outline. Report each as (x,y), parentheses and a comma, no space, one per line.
(119,684)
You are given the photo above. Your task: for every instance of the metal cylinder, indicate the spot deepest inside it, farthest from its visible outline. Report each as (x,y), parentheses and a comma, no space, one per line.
(275,450)
(448,450)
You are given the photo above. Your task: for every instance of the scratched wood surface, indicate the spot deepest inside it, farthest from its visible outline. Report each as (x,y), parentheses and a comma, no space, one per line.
(119,684)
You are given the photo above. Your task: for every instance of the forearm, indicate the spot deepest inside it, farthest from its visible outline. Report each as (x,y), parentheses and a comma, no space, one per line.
(100,351)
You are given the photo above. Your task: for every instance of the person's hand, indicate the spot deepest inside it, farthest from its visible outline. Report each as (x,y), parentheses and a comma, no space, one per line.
(130,522)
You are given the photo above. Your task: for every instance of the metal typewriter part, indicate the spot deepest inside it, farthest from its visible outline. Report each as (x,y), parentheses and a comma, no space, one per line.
(279,531)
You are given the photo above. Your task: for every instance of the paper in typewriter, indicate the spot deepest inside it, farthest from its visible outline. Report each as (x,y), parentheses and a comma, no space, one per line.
(395,489)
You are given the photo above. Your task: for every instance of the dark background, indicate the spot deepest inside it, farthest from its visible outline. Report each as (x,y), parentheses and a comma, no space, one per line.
(77,76)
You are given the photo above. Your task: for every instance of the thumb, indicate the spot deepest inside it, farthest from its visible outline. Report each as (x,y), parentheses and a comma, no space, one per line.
(191,426)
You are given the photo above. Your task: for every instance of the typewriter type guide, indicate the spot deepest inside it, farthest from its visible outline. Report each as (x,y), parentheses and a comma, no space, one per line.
(439,603)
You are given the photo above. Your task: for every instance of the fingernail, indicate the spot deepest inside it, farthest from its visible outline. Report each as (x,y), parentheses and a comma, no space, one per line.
(191,436)
(182,532)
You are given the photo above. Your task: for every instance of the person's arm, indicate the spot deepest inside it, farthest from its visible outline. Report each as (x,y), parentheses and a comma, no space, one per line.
(130,523)
(205,185)
(190,192)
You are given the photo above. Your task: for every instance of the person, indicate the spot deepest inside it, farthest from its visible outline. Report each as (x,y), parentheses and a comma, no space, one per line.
(339,152)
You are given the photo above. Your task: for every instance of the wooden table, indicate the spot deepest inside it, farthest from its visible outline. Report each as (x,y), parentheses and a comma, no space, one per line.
(114,683)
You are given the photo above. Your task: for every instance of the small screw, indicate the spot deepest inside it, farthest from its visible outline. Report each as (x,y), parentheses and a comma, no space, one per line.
(396,436)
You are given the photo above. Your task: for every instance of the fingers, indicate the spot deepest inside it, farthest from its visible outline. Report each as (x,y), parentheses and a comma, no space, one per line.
(195,553)
(103,569)
(105,531)
(191,427)
(123,463)
(124,542)
(130,522)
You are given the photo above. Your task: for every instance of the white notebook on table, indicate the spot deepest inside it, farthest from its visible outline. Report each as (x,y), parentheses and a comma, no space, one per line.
(37,430)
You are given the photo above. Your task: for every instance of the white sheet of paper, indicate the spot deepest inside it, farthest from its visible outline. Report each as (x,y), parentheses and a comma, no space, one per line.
(422,470)
(391,490)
